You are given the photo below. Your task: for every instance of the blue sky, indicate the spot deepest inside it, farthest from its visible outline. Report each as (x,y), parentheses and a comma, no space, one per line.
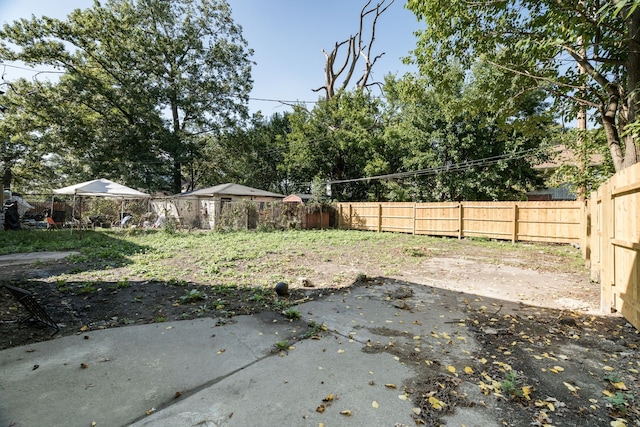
(287,36)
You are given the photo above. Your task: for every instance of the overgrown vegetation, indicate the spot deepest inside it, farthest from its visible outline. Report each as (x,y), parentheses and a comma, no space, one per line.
(255,259)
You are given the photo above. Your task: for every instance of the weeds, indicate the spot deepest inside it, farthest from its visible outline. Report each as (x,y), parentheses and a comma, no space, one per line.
(283,345)
(193,295)
(620,401)
(510,385)
(86,288)
(314,330)
(292,314)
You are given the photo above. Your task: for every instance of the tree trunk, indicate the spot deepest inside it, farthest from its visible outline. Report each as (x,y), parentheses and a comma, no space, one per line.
(631,144)
(7,177)
(176,144)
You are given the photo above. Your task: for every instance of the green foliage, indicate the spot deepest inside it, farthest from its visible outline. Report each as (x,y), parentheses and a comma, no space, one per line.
(554,46)
(620,401)
(590,166)
(459,145)
(315,329)
(337,140)
(193,295)
(510,384)
(86,288)
(292,314)
(126,63)
(283,345)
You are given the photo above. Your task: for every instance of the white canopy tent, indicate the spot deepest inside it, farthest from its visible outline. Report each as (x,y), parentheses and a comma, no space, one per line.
(101,188)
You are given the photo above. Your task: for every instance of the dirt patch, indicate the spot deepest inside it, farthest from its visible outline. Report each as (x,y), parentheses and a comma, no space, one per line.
(82,306)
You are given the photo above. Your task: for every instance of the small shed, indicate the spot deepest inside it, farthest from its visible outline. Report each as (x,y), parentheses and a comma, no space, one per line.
(203,207)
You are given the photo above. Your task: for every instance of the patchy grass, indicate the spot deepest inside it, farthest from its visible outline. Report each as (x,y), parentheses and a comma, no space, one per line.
(260,259)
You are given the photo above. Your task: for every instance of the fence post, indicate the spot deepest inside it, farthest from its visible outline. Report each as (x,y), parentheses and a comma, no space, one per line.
(350,216)
(585,244)
(607,272)
(515,223)
(415,215)
(460,220)
(379,217)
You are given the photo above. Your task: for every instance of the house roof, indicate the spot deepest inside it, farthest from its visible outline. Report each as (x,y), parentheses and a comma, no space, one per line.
(562,155)
(230,189)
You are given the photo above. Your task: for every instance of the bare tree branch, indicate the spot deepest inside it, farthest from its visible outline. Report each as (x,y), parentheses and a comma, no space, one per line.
(356,49)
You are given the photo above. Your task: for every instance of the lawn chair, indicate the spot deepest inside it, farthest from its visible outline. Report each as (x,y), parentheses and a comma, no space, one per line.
(51,224)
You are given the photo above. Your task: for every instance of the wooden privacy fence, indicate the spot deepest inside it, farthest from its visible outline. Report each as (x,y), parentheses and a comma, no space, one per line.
(614,242)
(557,222)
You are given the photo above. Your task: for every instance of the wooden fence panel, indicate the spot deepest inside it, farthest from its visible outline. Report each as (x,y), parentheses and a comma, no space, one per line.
(624,190)
(438,219)
(553,222)
(494,220)
(614,243)
(397,217)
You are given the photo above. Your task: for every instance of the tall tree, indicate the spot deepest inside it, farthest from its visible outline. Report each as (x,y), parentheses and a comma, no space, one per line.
(157,74)
(255,156)
(335,141)
(27,139)
(546,41)
(460,144)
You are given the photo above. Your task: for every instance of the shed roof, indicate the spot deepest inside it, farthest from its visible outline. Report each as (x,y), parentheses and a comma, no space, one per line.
(230,189)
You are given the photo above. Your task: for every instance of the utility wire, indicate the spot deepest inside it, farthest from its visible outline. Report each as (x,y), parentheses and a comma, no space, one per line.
(487,161)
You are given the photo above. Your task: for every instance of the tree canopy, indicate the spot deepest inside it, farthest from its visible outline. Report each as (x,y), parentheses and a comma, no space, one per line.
(584,53)
(459,144)
(142,81)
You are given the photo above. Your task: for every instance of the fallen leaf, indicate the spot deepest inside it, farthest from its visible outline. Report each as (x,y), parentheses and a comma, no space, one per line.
(320,409)
(436,404)
(374,405)
(222,350)
(620,386)
(403,397)
(94,424)
(572,388)
(177,395)
(329,398)
(346,412)
(619,422)
(526,392)
(35,367)
(468,370)
(393,386)
(607,368)
(417,411)
(341,351)
(84,328)
(84,365)
(451,369)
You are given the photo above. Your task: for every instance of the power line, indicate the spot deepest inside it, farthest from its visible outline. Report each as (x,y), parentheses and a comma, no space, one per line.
(487,161)
(282,101)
